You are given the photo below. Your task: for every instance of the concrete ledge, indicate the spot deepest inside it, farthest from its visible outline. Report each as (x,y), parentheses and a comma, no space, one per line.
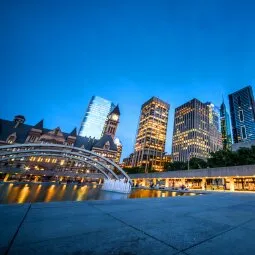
(234,171)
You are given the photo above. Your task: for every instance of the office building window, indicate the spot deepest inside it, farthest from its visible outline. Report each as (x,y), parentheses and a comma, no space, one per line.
(239,102)
(241,117)
(243,129)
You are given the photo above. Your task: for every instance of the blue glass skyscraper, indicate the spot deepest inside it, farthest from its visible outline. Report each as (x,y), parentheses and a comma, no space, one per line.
(225,127)
(242,111)
(95,117)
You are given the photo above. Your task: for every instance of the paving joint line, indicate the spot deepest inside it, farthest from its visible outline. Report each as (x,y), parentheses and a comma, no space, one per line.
(216,235)
(178,251)
(17,231)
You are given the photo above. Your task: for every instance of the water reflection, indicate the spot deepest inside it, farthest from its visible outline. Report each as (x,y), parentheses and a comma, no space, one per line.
(32,192)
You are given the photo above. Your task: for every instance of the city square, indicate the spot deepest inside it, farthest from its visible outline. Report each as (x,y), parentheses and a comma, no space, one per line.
(221,223)
(127,127)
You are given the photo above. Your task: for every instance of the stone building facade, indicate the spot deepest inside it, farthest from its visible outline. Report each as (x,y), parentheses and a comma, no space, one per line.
(16,131)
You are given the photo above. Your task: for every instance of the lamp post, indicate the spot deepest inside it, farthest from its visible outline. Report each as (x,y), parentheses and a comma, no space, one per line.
(188,159)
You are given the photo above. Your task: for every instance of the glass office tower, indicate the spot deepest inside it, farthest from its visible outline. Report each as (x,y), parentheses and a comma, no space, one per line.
(95,117)
(215,138)
(225,127)
(151,135)
(191,135)
(242,111)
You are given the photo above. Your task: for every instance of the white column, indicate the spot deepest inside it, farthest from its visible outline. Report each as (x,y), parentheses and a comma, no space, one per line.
(203,183)
(231,184)
(167,183)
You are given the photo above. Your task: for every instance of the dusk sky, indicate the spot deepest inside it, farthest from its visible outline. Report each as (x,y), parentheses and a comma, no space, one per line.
(55,55)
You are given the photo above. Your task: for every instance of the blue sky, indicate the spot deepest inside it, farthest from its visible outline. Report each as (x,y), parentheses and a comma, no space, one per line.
(56,54)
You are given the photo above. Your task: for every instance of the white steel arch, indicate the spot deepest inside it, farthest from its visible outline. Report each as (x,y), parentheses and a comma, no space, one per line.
(59,154)
(58,149)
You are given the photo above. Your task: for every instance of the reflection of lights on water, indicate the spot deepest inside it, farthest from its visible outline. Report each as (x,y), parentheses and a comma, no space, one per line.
(9,190)
(50,193)
(37,191)
(17,193)
(23,195)
(81,192)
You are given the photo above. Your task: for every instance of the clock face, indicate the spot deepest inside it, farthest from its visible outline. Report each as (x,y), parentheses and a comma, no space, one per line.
(115,117)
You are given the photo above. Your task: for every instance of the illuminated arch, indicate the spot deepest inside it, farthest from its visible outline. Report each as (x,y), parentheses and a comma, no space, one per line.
(99,162)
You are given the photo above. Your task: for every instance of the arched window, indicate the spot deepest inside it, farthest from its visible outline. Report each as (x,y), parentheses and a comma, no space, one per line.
(107,145)
(11,138)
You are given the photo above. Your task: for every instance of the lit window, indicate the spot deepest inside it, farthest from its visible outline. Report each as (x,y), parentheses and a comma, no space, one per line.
(40,159)
(32,159)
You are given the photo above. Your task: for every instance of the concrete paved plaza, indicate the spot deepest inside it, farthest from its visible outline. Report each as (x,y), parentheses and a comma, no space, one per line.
(220,223)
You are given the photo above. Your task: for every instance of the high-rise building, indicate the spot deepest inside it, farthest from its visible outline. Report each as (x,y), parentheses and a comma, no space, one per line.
(119,150)
(242,111)
(191,135)
(95,118)
(215,139)
(225,127)
(151,135)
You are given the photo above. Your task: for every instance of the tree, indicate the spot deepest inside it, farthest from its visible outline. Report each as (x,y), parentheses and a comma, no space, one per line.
(221,158)
(134,170)
(197,163)
(176,165)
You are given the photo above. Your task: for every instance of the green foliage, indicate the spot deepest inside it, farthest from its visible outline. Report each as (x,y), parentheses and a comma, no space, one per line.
(197,163)
(244,156)
(134,170)
(176,165)
(221,158)
(138,170)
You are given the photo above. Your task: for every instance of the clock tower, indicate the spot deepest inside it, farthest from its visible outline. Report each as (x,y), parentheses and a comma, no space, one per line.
(112,122)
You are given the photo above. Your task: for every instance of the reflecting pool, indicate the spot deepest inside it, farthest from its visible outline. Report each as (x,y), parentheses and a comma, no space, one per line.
(47,192)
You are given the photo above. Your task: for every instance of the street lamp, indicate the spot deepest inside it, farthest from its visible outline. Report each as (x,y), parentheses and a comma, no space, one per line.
(188,159)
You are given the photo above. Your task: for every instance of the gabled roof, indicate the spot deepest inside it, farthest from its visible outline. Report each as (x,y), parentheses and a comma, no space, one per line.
(103,140)
(116,110)
(84,141)
(22,131)
(39,125)
(8,127)
(57,131)
(73,133)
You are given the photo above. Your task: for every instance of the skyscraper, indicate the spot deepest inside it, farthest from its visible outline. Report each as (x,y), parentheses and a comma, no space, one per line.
(119,149)
(191,131)
(225,127)
(151,135)
(215,139)
(95,118)
(242,111)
